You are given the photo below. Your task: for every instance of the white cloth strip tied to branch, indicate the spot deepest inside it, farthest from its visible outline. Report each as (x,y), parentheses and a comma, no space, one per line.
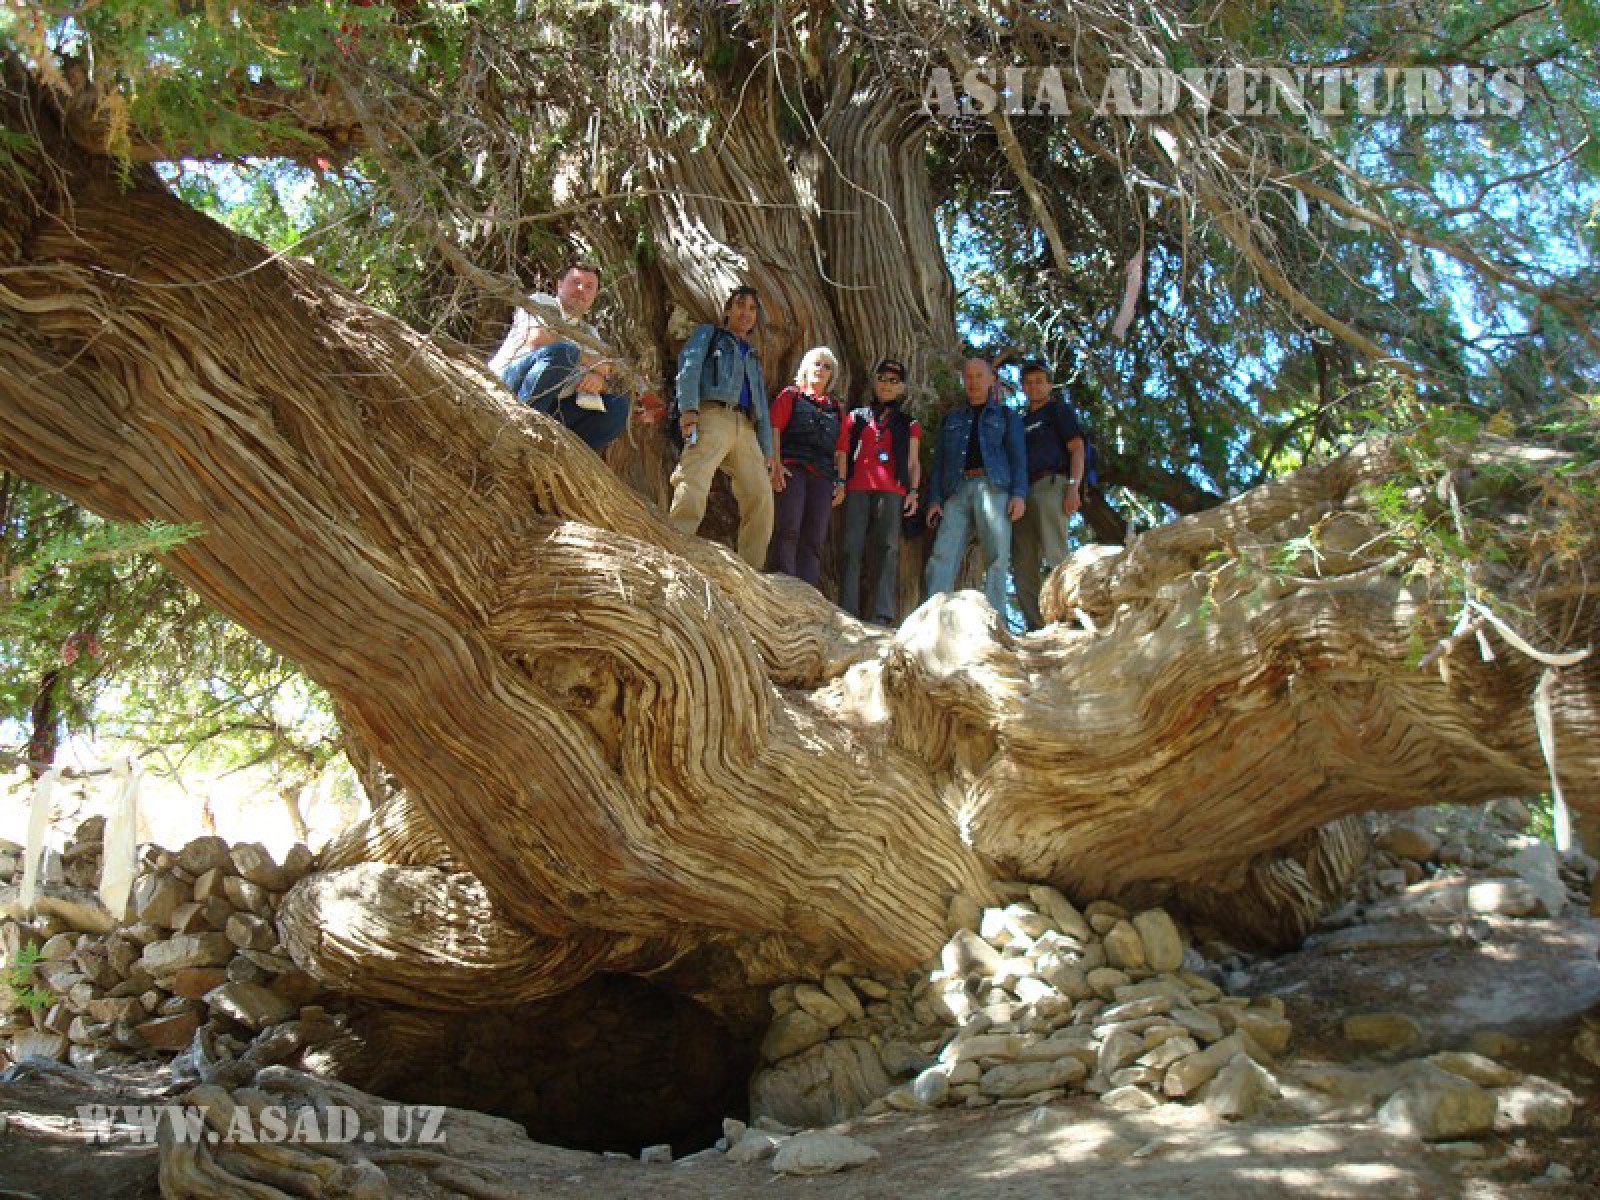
(1543,707)
(38,825)
(1544,719)
(119,859)
(1570,659)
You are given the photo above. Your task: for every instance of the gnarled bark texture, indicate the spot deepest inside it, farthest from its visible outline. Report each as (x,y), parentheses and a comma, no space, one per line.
(620,746)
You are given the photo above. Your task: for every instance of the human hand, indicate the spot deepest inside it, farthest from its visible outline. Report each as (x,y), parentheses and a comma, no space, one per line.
(650,409)
(935,511)
(1016,508)
(1071,501)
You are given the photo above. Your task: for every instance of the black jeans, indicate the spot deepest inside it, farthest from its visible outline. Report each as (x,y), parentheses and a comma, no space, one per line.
(872,518)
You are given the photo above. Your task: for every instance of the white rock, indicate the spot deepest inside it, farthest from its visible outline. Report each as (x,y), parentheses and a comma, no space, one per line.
(844,996)
(1130,1099)
(790,1034)
(251,1004)
(966,951)
(962,913)
(1502,897)
(820,1005)
(1187,1074)
(754,1146)
(993,929)
(819,1153)
(1124,947)
(1163,944)
(1440,1108)
(1066,977)
(1024,923)
(1031,991)
(1267,1029)
(1484,1072)
(1168,1052)
(1539,866)
(963,1048)
(1389,1031)
(186,950)
(1024,1079)
(1240,1090)
(1118,1050)
(820,1086)
(1536,1102)
(656,1155)
(931,1088)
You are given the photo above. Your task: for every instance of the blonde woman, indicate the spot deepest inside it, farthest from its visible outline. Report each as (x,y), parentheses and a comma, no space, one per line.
(805,434)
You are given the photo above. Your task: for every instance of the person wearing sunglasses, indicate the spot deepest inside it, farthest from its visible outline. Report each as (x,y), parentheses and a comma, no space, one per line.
(880,474)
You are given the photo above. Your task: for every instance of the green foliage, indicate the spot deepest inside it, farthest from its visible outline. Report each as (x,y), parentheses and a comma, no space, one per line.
(1542,817)
(18,983)
(100,638)
(1453,527)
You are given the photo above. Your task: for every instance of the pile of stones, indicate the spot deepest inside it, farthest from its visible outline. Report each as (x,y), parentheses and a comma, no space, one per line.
(1457,862)
(1026,1003)
(200,964)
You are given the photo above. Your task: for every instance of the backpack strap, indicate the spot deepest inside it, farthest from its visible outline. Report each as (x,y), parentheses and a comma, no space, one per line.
(858,417)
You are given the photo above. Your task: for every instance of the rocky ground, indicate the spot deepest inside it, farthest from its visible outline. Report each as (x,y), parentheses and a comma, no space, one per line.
(1439,1037)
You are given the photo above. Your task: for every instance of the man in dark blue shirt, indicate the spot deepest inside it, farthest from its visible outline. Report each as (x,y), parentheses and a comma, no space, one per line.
(1055,484)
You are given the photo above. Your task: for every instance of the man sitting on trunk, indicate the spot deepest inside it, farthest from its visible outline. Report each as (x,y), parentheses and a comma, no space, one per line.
(550,373)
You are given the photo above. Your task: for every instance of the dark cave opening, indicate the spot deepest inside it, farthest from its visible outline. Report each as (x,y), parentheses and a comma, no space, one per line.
(618,1063)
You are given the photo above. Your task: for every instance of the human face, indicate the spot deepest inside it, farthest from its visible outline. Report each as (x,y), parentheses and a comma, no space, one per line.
(976,376)
(576,291)
(1036,387)
(742,315)
(819,375)
(887,387)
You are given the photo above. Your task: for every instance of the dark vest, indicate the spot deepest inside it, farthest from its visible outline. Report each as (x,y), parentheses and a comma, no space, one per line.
(900,434)
(812,433)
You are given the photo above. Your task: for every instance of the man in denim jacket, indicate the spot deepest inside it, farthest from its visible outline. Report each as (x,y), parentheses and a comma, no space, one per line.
(722,402)
(979,480)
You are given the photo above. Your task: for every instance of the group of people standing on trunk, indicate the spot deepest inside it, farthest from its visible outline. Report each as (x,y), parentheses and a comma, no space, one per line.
(1011,479)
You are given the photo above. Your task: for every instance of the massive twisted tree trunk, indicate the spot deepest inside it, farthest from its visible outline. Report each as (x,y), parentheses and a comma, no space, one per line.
(621,748)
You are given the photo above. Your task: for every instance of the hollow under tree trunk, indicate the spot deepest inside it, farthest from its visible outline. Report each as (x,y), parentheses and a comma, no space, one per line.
(620,747)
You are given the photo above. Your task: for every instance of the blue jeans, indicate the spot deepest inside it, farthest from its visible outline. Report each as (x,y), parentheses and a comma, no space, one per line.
(872,517)
(547,380)
(977,503)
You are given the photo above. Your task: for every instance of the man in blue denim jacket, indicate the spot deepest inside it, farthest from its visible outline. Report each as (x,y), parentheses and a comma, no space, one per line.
(979,481)
(722,402)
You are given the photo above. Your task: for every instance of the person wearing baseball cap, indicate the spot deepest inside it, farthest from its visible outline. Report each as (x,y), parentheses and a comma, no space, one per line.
(880,474)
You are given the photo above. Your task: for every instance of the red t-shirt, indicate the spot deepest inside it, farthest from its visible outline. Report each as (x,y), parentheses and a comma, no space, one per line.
(874,468)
